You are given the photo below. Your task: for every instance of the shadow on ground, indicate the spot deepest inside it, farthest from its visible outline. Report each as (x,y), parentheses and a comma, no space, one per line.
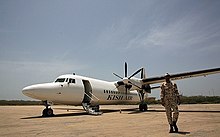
(183,133)
(131,111)
(198,111)
(59,115)
(79,113)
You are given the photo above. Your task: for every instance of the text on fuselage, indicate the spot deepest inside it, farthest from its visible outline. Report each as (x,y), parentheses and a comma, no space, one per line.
(116,95)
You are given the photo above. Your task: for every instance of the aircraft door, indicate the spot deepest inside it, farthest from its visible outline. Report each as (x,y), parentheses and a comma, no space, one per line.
(88,91)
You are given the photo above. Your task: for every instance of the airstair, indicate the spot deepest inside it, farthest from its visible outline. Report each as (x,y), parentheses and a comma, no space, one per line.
(92,107)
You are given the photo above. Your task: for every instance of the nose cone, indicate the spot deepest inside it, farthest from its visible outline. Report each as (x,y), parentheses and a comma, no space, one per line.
(28,91)
(38,91)
(44,91)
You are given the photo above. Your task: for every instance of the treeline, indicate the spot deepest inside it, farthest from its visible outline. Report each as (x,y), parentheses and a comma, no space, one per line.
(200,99)
(193,100)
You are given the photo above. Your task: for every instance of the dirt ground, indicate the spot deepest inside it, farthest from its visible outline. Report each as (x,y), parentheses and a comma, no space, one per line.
(26,121)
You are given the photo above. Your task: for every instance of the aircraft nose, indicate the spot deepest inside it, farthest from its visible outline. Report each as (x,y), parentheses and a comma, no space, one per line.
(28,91)
(38,91)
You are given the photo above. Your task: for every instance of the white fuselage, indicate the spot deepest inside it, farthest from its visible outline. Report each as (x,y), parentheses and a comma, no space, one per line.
(74,90)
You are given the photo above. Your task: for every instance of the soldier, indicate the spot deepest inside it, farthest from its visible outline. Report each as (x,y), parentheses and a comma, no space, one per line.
(170,100)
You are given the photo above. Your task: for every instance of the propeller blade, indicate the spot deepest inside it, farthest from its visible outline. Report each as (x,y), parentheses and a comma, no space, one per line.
(126,92)
(126,69)
(143,75)
(117,75)
(135,73)
(127,87)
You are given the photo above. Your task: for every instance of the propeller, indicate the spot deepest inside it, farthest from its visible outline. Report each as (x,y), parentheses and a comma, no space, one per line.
(128,84)
(126,71)
(126,80)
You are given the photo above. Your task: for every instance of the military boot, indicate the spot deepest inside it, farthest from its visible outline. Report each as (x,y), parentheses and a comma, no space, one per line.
(175,126)
(171,129)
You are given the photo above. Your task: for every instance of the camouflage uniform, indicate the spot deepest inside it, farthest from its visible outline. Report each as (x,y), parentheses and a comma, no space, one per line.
(170,100)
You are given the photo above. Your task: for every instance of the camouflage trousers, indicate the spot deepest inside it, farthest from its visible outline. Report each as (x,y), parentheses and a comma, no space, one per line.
(171,107)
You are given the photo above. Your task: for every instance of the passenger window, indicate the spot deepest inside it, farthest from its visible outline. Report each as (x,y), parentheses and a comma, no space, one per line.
(72,80)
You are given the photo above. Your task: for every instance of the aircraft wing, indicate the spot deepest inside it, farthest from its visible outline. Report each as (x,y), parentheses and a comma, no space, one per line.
(178,76)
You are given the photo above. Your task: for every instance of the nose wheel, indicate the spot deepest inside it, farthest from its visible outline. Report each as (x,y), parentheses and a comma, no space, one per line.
(48,111)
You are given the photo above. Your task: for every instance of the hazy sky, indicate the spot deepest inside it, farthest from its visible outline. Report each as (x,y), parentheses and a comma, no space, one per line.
(42,39)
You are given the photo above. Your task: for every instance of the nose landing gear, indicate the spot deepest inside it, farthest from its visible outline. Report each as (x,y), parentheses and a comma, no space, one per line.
(48,111)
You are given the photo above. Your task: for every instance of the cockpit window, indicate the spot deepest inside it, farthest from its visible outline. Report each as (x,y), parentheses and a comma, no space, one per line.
(60,80)
(72,80)
(67,80)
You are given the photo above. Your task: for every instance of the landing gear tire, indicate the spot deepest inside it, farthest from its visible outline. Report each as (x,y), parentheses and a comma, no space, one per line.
(143,107)
(47,112)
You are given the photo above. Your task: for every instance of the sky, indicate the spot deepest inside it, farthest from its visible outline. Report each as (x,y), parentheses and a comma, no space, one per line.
(40,40)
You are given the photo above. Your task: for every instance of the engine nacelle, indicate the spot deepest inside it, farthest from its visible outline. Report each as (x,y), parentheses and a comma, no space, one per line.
(147,88)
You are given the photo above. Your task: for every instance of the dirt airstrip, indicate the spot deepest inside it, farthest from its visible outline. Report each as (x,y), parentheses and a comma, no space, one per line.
(195,120)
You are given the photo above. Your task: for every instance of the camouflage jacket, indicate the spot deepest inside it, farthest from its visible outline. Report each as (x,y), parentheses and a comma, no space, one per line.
(169,92)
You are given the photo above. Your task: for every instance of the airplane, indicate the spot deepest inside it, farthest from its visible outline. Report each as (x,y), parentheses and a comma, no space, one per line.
(72,89)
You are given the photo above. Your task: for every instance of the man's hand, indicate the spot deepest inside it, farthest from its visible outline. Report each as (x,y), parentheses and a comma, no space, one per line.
(162,102)
(178,100)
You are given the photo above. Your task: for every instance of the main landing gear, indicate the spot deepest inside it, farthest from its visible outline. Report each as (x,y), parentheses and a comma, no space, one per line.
(143,105)
(48,111)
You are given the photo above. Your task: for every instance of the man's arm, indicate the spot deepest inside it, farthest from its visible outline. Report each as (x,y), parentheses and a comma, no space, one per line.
(177,93)
(162,94)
